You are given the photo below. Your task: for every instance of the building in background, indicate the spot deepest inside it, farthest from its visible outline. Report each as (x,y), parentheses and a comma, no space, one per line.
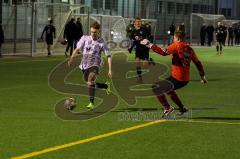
(164,11)
(229,8)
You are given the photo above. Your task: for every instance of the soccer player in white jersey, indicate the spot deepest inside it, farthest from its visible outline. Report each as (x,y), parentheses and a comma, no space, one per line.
(91,47)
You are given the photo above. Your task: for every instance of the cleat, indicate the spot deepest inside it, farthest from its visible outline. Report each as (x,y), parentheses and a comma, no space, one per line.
(182,111)
(167,112)
(90,105)
(108,90)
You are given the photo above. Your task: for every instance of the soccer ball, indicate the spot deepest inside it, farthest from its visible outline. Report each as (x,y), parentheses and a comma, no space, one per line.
(70,103)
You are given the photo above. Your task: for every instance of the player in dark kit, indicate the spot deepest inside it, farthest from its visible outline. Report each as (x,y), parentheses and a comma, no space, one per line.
(220,37)
(182,55)
(141,51)
(230,35)
(50,33)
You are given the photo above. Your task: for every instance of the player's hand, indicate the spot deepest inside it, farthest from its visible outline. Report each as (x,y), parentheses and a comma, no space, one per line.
(203,79)
(69,61)
(146,42)
(110,73)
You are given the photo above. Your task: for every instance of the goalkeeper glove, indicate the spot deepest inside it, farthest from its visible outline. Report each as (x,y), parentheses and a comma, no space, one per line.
(146,42)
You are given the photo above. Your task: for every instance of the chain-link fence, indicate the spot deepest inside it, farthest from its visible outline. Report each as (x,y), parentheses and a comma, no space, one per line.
(23,31)
(23,24)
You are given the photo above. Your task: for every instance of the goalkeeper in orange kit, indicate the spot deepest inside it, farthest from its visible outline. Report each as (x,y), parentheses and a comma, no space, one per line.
(182,55)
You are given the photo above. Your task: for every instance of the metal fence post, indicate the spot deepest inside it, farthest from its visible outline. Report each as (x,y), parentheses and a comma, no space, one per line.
(33,42)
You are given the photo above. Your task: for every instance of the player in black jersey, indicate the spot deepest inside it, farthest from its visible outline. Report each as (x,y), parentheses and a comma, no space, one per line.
(220,34)
(141,51)
(50,33)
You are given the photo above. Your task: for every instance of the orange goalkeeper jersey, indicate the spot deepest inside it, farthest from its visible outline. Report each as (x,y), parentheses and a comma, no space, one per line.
(182,55)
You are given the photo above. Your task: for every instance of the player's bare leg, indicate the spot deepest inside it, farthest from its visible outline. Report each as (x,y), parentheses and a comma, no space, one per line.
(173,95)
(91,88)
(49,49)
(217,47)
(167,108)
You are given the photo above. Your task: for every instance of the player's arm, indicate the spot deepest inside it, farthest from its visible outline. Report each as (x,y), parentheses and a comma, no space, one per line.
(109,59)
(154,47)
(43,32)
(199,66)
(109,66)
(73,55)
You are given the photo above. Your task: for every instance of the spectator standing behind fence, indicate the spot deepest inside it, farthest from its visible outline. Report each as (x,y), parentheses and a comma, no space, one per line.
(224,34)
(1,39)
(230,36)
(237,35)
(210,31)
(50,33)
(79,31)
(69,35)
(203,34)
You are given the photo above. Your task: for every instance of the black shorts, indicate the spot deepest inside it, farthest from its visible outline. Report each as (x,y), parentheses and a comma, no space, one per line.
(167,86)
(176,83)
(49,40)
(142,53)
(89,70)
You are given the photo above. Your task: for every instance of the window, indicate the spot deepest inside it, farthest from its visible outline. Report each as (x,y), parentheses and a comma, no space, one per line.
(229,12)
(179,8)
(187,9)
(195,8)
(160,7)
(107,4)
(114,4)
(97,4)
(203,9)
(170,7)
(226,12)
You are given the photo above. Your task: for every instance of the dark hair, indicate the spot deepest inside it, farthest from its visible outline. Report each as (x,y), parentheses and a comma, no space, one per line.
(137,18)
(95,25)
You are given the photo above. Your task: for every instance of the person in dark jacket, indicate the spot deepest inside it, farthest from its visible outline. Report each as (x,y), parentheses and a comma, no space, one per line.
(210,31)
(50,33)
(203,34)
(230,36)
(79,31)
(69,35)
(1,39)
(237,35)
